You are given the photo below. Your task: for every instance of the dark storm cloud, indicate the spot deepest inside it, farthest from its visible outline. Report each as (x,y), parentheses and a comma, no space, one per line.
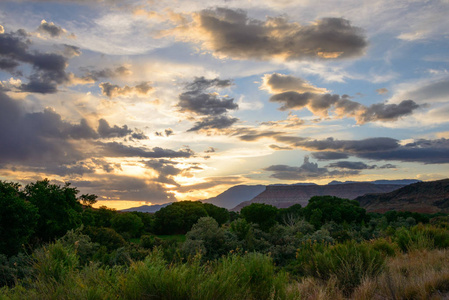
(424,151)
(213,122)
(352,165)
(106,131)
(232,33)
(165,169)
(139,135)
(8,65)
(380,148)
(251,134)
(64,170)
(51,29)
(115,149)
(387,112)
(198,101)
(112,90)
(306,171)
(44,138)
(96,75)
(350,146)
(321,104)
(37,137)
(329,155)
(48,68)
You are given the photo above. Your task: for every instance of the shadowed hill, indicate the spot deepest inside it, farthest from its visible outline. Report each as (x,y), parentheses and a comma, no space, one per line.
(423,197)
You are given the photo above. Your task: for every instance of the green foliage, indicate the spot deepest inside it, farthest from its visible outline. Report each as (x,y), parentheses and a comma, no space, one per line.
(289,215)
(80,243)
(384,246)
(348,263)
(128,223)
(14,268)
(422,237)
(107,237)
(18,218)
(262,214)
(179,217)
(322,209)
(54,262)
(220,214)
(233,277)
(207,238)
(58,208)
(149,241)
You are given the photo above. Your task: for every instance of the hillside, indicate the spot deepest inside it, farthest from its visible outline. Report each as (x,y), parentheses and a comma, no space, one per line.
(236,195)
(423,197)
(285,196)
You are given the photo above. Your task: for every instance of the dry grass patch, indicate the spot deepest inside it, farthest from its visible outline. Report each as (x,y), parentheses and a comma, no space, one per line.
(416,275)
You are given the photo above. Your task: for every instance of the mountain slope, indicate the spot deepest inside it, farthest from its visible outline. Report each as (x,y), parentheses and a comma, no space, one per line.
(285,196)
(236,195)
(424,197)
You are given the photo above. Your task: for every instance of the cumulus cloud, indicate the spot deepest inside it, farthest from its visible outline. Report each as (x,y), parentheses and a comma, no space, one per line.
(308,170)
(106,131)
(198,101)
(329,155)
(167,132)
(38,137)
(231,33)
(213,122)
(166,170)
(279,83)
(321,104)
(51,29)
(48,68)
(211,108)
(96,75)
(113,90)
(116,149)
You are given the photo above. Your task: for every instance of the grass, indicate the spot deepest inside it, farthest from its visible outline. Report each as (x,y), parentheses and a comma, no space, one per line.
(176,237)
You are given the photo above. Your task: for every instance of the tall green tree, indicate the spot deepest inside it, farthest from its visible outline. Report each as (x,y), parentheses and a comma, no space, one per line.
(18,218)
(179,217)
(322,209)
(58,207)
(260,213)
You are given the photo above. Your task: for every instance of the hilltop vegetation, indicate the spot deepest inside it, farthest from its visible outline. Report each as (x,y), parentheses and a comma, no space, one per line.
(55,245)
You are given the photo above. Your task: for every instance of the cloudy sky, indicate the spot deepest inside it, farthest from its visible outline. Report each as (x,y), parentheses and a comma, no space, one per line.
(150,101)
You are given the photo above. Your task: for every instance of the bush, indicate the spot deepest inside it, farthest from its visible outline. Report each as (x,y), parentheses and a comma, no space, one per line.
(349,263)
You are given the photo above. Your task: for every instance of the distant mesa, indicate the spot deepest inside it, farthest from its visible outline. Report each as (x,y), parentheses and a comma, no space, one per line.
(422,197)
(284,195)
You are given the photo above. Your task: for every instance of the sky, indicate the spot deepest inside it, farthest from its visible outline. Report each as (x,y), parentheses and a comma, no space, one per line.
(149,102)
